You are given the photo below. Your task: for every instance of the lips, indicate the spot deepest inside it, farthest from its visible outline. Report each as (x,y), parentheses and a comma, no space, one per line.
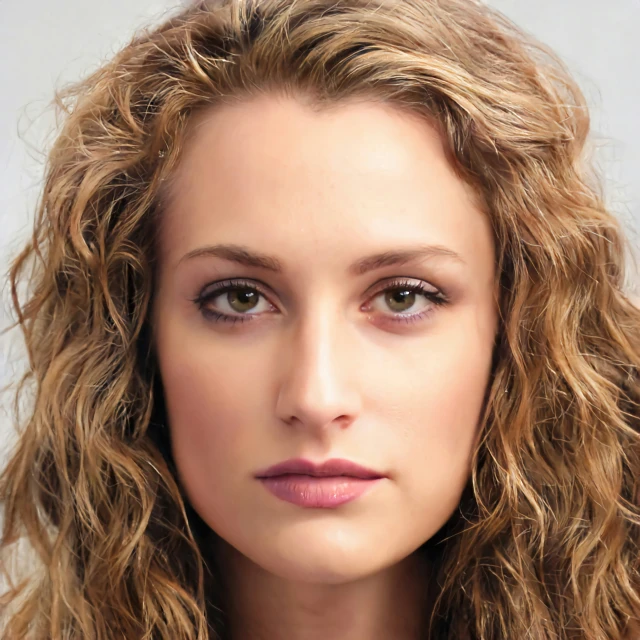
(333,467)
(325,485)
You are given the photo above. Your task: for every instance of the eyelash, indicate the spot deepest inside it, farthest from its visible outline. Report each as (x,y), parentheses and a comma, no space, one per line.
(437,299)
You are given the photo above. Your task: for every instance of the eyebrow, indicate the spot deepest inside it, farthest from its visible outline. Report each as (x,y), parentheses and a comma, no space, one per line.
(251,258)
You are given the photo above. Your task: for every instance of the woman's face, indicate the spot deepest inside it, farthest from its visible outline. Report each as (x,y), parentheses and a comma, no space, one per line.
(320,351)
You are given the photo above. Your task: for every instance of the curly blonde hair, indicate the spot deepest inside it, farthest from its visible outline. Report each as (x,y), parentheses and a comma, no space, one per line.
(545,542)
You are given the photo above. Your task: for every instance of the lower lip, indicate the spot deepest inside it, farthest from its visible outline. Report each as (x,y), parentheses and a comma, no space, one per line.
(318,492)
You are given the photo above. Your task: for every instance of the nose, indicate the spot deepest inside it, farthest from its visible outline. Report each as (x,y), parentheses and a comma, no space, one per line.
(319,381)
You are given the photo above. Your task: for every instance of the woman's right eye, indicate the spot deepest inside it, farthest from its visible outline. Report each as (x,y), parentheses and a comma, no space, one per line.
(237,297)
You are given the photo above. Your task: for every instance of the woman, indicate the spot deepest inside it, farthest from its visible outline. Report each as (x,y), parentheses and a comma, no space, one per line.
(329,340)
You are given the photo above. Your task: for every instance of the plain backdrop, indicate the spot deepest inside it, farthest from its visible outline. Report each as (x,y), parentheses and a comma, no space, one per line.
(46,43)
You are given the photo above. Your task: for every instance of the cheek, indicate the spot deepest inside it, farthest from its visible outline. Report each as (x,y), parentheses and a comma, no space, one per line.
(435,407)
(207,406)
(453,406)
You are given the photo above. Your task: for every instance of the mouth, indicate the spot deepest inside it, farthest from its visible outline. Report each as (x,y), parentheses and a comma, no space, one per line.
(319,485)
(319,492)
(335,467)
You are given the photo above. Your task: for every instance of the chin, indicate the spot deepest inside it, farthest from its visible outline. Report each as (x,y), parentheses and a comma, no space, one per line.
(323,559)
(322,569)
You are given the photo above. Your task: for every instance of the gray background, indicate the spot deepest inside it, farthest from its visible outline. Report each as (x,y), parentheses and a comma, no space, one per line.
(44,44)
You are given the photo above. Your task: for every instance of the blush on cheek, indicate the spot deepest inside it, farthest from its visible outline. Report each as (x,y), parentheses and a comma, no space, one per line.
(204,423)
(203,416)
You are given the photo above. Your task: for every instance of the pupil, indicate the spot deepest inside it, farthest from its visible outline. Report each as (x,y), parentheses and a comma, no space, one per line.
(401,297)
(245,298)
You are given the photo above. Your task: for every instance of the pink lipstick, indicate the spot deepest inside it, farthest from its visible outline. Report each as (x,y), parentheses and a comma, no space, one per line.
(325,485)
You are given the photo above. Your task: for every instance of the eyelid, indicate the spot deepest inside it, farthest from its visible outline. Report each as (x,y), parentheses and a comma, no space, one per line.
(379,287)
(401,281)
(213,290)
(437,297)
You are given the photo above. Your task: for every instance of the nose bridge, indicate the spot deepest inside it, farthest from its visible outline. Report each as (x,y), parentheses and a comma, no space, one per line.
(318,386)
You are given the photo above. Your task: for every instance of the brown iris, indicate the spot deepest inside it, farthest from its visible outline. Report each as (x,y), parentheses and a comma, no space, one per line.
(400,297)
(245,299)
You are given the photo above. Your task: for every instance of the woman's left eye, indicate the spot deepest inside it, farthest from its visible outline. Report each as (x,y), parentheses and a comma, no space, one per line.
(243,298)
(402,296)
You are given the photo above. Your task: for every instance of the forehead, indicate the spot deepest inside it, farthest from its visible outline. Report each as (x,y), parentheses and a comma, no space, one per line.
(361,175)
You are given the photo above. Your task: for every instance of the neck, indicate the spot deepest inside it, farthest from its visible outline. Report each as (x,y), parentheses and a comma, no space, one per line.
(392,603)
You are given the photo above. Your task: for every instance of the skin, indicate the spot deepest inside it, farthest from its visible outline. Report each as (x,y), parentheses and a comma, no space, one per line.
(323,368)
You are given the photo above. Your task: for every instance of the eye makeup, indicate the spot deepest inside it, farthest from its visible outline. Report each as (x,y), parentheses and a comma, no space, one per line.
(246,291)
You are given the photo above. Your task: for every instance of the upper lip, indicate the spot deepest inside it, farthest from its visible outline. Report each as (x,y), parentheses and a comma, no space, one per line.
(333,467)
